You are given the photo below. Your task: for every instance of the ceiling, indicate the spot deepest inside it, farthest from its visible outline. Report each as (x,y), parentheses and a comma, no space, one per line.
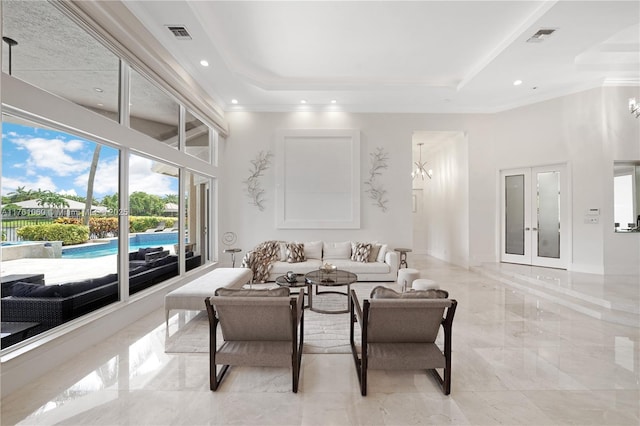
(393,56)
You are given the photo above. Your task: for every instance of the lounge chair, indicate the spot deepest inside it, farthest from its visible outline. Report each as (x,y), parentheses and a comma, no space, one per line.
(159,228)
(259,328)
(399,333)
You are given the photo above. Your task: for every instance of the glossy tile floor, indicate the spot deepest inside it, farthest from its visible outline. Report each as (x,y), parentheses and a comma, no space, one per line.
(517,359)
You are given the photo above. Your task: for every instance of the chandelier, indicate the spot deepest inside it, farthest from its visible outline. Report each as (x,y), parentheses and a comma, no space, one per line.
(634,107)
(421,168)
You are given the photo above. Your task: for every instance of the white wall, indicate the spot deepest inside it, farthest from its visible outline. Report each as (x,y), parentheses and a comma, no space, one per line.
(586,130)
(441,224)
(255,132)
(621,137)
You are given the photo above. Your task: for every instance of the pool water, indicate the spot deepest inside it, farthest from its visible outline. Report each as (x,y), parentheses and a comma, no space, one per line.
(111,247)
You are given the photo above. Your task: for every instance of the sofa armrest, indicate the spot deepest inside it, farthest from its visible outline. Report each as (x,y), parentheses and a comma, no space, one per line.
(50,311)
(391,259)
(149,257)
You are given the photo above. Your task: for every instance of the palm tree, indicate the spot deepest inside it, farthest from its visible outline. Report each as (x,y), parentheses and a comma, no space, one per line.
(92,177)
(51,200)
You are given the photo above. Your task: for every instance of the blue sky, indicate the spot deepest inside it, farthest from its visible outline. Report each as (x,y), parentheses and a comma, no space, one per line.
(38,158)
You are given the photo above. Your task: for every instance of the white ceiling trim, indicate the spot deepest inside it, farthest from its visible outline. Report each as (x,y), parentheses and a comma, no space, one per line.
(515,35)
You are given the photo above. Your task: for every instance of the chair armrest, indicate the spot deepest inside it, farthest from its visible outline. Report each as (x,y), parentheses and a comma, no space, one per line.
(300,305)
(357,310)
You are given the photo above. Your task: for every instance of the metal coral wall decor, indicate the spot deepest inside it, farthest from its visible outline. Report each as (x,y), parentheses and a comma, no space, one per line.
(375,189)
(254,189)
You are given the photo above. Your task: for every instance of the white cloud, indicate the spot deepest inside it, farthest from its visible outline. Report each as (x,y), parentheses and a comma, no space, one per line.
(106,180)
(42,182)
(53,154)
(142,178)
(68,192)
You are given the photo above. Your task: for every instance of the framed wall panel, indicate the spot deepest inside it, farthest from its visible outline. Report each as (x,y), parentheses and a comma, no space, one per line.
(318,179)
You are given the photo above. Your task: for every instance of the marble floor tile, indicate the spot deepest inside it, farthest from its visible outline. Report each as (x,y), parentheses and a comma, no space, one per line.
(517,360)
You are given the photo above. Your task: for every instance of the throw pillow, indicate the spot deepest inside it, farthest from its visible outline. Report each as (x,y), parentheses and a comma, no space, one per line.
(360,252)
(382,253)
(21,289)
(337,250)
(231,292)
(295,252)
(381,292)
(107,279)
(373,255)
(283,251)
(313,250)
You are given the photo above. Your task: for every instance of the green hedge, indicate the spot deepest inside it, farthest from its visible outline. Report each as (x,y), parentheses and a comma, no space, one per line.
(142,223)
(68,234)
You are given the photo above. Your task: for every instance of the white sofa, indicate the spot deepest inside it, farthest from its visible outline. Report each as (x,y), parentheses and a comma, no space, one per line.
(381,267)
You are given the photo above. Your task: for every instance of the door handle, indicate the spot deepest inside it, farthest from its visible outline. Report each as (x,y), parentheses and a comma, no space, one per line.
(534,229)
(527,229)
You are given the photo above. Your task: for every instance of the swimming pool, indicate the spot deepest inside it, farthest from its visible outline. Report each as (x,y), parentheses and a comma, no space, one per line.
(110,247)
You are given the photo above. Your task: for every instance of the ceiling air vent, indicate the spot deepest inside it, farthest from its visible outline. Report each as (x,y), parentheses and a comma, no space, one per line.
(179,31)
(541,35)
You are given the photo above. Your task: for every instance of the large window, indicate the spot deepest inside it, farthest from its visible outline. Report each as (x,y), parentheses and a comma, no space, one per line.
(59,228)
(152,111)
(68,234)
(153,222)
(197,137)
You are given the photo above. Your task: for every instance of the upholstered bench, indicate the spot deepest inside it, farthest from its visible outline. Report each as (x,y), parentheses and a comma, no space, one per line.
(191,295)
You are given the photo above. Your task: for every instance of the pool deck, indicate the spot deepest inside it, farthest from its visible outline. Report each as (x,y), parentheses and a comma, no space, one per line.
(57,271)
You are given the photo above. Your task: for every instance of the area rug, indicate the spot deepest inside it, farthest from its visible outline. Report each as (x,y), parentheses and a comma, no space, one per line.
(323,333)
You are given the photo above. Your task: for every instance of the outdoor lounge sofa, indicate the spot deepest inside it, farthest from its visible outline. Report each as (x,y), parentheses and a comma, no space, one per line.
(52,305)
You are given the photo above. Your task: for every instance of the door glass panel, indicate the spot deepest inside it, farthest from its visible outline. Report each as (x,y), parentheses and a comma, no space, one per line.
(514,214)
(548,214)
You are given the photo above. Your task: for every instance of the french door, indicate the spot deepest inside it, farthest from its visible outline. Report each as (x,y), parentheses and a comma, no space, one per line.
(534,216)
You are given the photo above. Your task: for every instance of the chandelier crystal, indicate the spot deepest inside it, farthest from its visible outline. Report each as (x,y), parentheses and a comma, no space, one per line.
(421,168)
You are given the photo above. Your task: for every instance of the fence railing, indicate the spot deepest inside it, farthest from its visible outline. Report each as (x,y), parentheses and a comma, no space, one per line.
(11,224)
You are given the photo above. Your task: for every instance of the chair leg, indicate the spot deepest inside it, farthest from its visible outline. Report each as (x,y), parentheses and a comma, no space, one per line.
(216,379)
(445,383)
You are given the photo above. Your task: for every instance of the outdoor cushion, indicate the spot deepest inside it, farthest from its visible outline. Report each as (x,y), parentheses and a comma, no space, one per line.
(110,278)
(22,289)
(138,269)
(163,261)
(381,292)
(70,289)
(139,255)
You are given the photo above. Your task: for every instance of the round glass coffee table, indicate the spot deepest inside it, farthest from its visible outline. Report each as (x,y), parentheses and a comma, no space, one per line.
(300,283)
(337,278)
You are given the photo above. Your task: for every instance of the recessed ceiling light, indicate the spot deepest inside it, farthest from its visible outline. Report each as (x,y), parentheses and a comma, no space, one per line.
(303,101)
(234,101)
(204,63)
(517,82)
(97,89)
(333,101)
